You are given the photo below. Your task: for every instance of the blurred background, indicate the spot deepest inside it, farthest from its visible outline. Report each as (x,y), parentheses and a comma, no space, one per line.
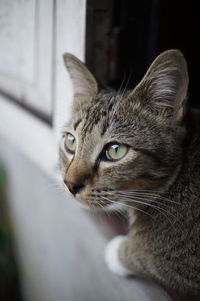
(50,249)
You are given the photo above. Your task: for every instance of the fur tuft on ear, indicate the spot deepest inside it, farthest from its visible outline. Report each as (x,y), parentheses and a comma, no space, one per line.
(84,84)
(165,84)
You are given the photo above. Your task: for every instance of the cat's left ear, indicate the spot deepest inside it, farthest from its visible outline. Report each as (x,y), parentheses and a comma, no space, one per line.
(84,84)
(164,86)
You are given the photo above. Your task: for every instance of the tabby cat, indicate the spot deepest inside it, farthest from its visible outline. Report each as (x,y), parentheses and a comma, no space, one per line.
(134,150)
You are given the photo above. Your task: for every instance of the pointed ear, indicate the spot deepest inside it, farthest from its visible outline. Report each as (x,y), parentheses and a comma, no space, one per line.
(84,84)
(164,86)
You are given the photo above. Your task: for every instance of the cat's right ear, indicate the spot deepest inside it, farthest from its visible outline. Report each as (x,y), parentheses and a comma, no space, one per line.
(84,84)
(164,87)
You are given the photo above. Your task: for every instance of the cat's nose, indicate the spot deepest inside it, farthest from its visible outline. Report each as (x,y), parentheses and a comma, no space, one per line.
(74,187)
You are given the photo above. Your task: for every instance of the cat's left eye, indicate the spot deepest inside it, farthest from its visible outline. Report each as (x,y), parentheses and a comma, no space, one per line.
(116,152)
(70,143)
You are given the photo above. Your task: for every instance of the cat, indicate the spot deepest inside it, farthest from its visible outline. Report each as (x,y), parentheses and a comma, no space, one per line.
(134,150)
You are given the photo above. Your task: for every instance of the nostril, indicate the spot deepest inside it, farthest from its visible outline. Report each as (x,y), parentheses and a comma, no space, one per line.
(74,187)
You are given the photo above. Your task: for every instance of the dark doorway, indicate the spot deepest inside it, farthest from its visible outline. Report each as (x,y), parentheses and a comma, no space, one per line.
(123,38)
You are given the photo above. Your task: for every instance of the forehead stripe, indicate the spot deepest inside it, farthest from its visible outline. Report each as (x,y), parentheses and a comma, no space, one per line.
(77,123)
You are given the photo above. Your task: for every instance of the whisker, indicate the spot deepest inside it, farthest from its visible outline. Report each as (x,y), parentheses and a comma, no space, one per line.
(128,206)
(53,187)
(91,209)
(119,211)
(142,190)
(101,203)
(125,88)
(149,198)
(157,208)
(120,88)
(121,214)
(143,193)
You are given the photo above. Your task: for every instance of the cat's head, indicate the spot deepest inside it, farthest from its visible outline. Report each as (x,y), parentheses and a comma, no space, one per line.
(118,143)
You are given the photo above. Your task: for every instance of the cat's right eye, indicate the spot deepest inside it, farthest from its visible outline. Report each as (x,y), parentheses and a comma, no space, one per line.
(70,143)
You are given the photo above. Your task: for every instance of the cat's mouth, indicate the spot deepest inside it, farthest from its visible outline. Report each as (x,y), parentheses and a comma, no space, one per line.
(101,199)
(95,199)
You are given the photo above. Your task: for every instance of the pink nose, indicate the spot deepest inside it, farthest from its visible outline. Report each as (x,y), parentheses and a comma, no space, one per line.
(73,187)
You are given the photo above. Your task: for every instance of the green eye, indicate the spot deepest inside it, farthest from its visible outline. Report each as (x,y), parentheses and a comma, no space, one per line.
(70,143)
(116,152)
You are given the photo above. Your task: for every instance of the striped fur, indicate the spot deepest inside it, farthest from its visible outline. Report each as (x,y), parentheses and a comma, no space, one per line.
(158,179)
